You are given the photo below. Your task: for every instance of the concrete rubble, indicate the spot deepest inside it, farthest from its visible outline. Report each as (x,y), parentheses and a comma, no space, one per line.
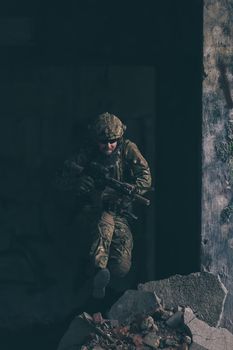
(202,291)
(144,320)
(205,337)
(141,332)
(133,302)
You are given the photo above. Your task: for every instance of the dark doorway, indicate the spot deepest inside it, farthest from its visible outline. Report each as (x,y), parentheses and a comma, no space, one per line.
(178,141)
(63,63)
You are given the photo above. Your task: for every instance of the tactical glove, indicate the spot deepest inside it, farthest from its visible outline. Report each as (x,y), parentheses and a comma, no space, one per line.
(85,184)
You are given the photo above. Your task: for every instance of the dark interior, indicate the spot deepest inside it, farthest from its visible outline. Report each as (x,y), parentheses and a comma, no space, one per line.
(61,64)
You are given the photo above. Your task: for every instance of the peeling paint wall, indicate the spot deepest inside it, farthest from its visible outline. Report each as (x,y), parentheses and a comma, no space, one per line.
(217,194)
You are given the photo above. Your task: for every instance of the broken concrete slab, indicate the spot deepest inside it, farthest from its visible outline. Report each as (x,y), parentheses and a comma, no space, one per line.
(75,336)
(205,337)
(202,291)
(132,303)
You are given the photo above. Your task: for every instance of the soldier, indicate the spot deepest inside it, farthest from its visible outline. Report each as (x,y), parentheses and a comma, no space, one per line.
(111,237)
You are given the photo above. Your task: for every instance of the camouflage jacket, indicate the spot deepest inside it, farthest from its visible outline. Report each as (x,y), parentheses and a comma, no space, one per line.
(126,163)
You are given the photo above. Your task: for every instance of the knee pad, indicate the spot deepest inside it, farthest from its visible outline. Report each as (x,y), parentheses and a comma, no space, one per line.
(120,268)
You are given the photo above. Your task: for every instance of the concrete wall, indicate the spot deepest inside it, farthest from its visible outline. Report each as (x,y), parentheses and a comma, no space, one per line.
(217,224)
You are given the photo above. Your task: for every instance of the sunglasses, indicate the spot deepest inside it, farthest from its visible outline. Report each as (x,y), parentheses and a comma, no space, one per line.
(105,142)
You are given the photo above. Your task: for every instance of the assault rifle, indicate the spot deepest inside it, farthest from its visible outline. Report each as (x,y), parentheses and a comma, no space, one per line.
(101,175)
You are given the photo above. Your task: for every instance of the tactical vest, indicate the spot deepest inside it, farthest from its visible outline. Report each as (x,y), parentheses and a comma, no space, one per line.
(117,163)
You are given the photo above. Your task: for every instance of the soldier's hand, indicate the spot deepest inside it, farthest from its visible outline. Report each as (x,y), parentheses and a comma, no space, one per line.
(86,184)
(126,201)
(130,188)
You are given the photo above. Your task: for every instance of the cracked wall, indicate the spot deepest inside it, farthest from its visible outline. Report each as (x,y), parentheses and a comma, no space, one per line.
(217,170)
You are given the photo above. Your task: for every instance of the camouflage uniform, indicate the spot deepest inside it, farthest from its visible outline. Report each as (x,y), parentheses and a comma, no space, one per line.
(111,237)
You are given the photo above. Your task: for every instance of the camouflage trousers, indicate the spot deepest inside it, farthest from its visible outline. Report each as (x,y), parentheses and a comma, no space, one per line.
(112,244)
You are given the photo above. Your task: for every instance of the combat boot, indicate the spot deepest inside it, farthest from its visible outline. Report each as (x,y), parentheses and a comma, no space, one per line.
(101,280)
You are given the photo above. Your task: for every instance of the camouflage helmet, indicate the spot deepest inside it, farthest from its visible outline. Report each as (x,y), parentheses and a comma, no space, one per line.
(108,127)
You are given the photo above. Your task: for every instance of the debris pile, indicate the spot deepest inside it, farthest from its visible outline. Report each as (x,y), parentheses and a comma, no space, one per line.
(163,329)
(181,312)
